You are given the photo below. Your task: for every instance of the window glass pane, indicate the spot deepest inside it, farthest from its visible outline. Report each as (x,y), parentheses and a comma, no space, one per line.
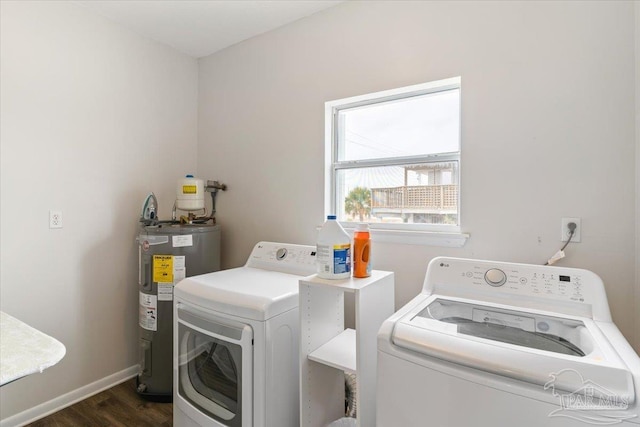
(420,125)
(424,193)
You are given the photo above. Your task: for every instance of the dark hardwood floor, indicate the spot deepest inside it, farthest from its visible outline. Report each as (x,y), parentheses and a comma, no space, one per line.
(117,406)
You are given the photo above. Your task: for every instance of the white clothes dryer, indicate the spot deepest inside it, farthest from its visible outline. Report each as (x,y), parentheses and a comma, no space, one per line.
(503,344)
(236,341)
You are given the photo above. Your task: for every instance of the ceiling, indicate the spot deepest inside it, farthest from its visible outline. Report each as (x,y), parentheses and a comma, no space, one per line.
(200,28)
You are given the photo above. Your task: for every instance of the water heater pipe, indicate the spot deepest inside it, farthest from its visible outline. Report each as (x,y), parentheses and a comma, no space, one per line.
(213,187)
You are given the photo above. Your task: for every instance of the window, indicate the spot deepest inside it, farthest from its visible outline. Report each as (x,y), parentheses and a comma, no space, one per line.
(393,158)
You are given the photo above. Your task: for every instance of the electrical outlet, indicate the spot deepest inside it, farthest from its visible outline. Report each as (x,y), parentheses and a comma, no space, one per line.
(55,219)
(577,234)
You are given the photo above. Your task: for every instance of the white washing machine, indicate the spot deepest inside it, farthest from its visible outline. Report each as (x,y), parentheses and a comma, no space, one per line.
(503,344)
(236,341)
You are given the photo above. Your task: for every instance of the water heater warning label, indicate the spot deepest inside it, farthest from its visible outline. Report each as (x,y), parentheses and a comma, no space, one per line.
(182,241)
(148,315)
(165,291)
(189,189)
(168,270)
(163,268)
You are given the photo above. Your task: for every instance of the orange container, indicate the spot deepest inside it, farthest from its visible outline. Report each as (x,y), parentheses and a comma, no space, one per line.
(361,251)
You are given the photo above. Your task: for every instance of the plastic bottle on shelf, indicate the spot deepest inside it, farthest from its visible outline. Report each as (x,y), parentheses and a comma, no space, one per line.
(333,251)
(362,251)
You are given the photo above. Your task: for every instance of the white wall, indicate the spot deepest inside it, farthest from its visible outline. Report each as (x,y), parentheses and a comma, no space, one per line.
(93,118)
(637,186)
(548,127)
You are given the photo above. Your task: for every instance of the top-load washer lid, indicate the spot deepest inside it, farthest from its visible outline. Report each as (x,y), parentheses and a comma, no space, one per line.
(246,292)
(548,333)
(525,345)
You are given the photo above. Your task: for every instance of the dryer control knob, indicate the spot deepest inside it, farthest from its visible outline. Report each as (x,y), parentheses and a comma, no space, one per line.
(281,254)
(495,277)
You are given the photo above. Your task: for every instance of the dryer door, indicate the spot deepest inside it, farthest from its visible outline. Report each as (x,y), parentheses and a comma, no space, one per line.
(215,367)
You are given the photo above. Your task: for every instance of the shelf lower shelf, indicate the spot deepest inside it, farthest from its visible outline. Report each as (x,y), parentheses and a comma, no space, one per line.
(339,352)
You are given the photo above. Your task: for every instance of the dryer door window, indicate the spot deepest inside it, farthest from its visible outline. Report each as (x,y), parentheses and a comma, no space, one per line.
(211,369)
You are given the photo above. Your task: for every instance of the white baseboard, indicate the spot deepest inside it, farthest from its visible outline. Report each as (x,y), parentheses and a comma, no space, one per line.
(68,399)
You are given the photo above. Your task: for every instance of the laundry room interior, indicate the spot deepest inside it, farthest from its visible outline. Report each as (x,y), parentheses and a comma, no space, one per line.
(98,111)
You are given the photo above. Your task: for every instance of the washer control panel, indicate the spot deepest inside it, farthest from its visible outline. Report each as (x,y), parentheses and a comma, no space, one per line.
(457,275)
(284,257)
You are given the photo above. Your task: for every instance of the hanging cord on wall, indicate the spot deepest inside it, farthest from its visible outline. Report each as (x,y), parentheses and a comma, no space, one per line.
(560,254)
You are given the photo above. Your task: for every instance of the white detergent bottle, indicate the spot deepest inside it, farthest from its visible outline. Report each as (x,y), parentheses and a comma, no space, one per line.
(333,251)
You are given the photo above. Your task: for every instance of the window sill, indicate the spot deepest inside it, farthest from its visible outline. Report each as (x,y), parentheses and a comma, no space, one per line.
(425,238)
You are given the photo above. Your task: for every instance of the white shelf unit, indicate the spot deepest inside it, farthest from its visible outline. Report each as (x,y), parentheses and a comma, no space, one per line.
(327,349)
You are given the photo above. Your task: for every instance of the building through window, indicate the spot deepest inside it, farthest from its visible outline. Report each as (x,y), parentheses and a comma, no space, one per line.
(393,157)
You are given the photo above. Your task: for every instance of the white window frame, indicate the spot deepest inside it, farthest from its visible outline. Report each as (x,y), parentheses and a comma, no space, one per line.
(429,234)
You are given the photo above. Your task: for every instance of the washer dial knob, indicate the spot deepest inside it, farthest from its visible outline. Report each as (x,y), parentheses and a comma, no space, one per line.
(281,254)
(495,277)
